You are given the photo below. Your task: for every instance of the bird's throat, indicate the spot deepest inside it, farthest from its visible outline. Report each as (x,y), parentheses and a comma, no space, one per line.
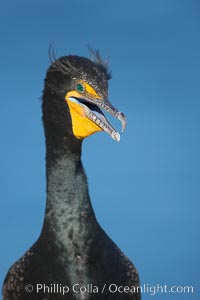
(69,216)
(82,126)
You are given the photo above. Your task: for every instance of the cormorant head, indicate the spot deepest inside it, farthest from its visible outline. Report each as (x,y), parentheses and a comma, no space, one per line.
(76,92)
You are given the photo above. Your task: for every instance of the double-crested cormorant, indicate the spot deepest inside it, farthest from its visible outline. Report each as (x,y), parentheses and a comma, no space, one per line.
(73,257)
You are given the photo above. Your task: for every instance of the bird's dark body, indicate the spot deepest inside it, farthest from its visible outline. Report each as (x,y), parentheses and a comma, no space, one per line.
(73,250)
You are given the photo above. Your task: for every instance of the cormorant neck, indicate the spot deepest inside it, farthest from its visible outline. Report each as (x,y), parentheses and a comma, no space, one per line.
(68,206)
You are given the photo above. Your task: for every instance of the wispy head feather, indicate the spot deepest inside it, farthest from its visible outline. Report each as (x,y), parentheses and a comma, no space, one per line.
(51,52)
(99,61)
(63,64)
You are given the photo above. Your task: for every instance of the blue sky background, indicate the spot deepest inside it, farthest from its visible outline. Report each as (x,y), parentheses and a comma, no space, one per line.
(145,190)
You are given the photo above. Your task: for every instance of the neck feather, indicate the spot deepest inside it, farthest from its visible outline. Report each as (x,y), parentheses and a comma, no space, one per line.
(69,215)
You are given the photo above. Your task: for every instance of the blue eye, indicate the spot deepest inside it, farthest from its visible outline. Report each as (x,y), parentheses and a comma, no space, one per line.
(80,88)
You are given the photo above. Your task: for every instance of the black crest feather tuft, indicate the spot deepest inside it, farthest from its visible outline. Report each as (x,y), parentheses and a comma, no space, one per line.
(52,54)
(99,61)
(63,64)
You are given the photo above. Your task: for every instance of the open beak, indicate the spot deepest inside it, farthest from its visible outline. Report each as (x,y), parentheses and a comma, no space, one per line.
(93,111)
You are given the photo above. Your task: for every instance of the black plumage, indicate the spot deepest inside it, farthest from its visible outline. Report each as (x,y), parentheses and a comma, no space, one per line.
(72,249)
